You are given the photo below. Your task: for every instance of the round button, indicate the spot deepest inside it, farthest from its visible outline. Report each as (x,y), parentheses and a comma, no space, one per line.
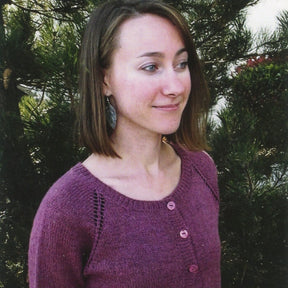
(184,234)
(171,205)
(193,268)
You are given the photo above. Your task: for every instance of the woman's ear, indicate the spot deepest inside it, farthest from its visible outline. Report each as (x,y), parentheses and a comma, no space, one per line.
(106,84)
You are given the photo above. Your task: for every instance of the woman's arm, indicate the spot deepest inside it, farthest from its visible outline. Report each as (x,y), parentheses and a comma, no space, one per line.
(61,238)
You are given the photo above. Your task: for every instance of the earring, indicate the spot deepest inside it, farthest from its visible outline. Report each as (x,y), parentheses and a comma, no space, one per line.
(111,115)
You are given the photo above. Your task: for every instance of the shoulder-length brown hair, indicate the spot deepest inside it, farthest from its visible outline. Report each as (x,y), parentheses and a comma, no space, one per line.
(99,42)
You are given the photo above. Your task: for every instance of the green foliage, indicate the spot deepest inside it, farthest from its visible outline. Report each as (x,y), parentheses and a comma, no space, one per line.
(38,144)
(263,91)
(50,131)
(250,149)
(18,51)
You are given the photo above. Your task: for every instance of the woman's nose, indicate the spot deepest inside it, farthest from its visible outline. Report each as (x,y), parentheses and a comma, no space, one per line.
(173,83)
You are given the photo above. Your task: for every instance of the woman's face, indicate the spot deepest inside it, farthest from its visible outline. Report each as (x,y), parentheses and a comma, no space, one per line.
(149,77)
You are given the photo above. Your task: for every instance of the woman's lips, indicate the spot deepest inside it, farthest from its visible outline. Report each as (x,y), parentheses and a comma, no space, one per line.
(169,107)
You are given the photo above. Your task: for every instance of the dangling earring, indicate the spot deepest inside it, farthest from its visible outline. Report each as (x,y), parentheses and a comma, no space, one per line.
(111,115)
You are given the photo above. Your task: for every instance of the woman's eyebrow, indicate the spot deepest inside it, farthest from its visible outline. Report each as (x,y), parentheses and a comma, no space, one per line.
(152,54)
(160,54)
(182,50)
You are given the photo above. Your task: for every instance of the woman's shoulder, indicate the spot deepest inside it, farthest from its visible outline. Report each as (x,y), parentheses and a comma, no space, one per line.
(203,164)
(68,184)
(71,193)
(200,158)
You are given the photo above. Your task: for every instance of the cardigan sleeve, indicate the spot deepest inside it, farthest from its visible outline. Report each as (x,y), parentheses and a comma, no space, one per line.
(60,239)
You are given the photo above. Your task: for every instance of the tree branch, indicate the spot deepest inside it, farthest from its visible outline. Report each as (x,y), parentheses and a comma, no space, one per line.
(250,183)
(46,13)
(279,179)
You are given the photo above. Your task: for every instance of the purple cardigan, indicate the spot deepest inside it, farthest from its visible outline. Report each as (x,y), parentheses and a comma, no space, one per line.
(86,234)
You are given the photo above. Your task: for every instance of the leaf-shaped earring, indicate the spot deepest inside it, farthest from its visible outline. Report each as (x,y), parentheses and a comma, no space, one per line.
(111,115)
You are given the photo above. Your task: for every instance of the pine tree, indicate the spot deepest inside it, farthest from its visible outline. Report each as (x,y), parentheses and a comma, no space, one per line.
(251,151)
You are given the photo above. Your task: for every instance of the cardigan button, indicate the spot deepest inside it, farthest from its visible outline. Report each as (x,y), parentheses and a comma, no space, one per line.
(171,205)
(193,268)
(184,234)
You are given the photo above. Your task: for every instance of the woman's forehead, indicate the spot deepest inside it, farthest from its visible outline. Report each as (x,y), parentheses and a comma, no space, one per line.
(148,31)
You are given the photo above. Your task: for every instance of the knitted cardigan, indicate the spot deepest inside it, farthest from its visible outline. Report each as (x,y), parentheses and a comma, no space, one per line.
(85,234)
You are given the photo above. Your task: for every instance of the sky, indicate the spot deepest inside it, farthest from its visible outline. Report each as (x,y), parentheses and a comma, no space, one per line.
(263,15)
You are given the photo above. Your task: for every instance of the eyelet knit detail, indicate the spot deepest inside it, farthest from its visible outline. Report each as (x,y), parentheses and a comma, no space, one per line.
(98,212)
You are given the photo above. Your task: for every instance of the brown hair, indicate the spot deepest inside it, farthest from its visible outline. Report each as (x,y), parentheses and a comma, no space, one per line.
(99,42)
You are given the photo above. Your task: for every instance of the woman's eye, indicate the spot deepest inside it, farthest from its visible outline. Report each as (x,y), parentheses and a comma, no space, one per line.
(150,68)
(182,65)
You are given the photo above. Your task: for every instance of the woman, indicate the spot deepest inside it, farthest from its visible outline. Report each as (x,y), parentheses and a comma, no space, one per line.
(142,210)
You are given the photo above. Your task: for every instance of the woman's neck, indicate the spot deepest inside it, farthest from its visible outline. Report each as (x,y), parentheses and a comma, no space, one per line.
(151,166)
(146,152)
